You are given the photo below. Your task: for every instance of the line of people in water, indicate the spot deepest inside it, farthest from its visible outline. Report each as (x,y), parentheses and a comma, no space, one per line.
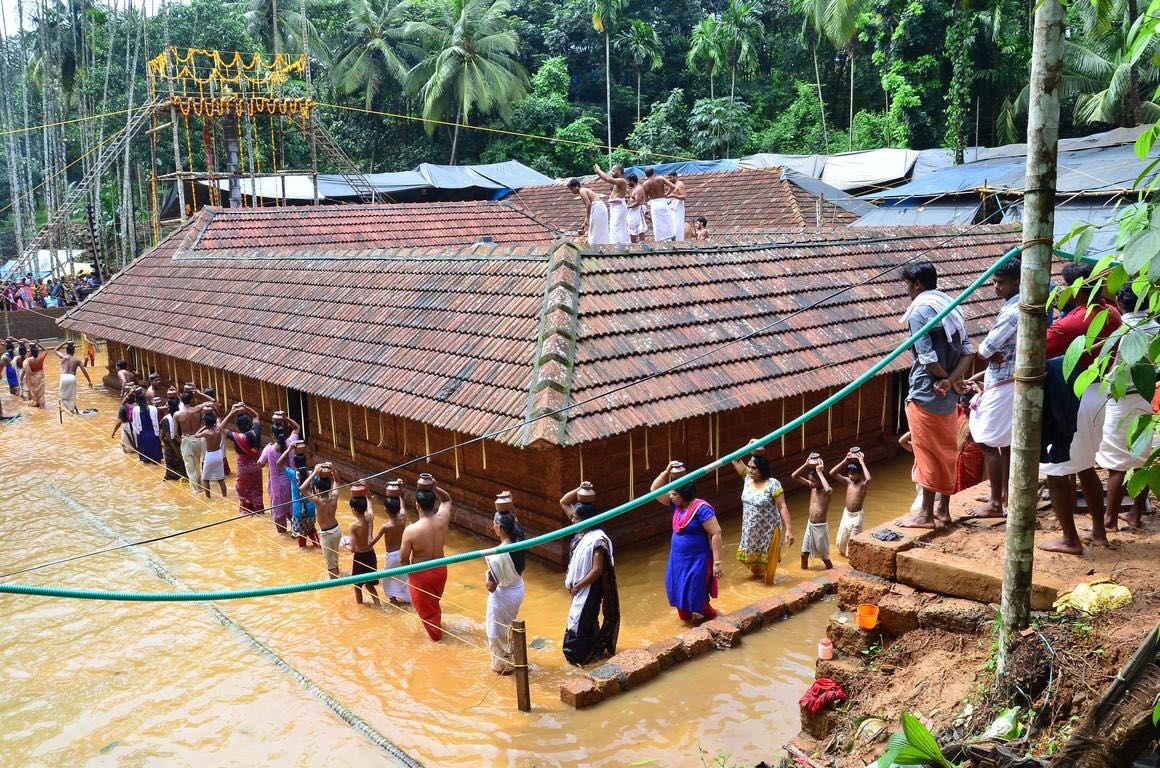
(187,432)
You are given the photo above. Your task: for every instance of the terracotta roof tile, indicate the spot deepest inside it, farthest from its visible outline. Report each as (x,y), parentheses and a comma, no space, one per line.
(464,340)
(734,202)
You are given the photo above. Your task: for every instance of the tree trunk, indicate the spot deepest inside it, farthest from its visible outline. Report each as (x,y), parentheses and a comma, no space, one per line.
(608,91)
(732,82)
(821,103)
(1135,113)
(712,77)
(638,94)
(1038,223)
(455,134)
(850,138)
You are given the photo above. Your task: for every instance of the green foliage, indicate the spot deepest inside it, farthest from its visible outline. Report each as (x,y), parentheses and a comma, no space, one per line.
(915,745)
(716,125)
(959,37)
(660,136)
(796,130)
(873,130)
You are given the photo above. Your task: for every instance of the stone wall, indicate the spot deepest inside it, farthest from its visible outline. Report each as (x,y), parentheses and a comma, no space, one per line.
(25,324)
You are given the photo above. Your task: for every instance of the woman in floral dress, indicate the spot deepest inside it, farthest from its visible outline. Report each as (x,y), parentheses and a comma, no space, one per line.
(765,522)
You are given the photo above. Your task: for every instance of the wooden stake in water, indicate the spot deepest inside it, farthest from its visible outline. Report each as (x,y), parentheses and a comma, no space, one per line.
(520,657)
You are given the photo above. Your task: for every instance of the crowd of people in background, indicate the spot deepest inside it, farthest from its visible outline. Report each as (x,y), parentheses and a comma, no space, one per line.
(632,204)
(30,292)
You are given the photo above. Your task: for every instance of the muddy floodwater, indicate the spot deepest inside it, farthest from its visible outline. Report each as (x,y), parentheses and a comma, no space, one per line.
(155,684)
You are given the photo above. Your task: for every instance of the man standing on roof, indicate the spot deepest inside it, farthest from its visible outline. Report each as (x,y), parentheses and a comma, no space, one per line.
(941,357)
(595,214)
(617,205)
(637,205)
(658,205)
(422,541)
(676,196)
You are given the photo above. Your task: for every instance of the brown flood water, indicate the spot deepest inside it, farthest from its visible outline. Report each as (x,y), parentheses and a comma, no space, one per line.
(104,684)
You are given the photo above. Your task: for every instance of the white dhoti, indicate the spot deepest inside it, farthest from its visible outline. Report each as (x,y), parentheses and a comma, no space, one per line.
(618,222)
(68,392)
(598,224)
(816,540)
(214,466)
(193,454)
(852,524)
(1089,433)
(636,222)
(1115,452)
(503,607)
(395,588)
(662,219)
(677,216)
(992,411)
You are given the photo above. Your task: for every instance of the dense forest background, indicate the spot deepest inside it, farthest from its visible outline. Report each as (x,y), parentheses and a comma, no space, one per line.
(656,80)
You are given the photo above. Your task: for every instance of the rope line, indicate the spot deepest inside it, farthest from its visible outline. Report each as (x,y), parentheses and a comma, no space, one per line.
(579,527)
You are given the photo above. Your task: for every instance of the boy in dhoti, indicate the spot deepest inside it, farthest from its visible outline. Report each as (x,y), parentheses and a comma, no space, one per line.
(856,477)
(391,532)
(69,365)
(422,541)
(618,233)
(816,539)
(214,466)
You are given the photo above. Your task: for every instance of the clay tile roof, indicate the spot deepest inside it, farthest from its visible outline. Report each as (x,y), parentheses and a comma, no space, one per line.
(477,339)
(239,232)
(752,201)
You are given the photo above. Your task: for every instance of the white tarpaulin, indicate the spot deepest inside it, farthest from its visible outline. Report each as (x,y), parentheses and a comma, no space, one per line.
(806,165)
(851,170)
(58,263)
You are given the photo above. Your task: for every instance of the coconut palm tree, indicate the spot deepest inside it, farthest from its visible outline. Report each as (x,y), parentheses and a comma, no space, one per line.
(841,23)
(705,48)
(278,25)
(741,33)
(605,14)
(641,43)
(378,52)
(469,63)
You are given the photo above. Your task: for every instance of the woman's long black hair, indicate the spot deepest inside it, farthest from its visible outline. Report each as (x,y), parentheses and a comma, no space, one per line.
(508,524)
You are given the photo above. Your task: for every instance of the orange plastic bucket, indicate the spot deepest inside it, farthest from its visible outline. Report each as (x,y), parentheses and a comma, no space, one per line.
(867,616)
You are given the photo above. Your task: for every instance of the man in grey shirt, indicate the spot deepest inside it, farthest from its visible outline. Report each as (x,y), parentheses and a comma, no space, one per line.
(941,357)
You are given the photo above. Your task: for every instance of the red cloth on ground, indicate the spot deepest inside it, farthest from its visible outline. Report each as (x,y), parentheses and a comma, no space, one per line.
(426,587)
(821,694)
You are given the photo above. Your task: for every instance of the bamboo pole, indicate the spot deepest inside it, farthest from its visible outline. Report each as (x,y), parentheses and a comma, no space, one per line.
(1038,224)
(520,657)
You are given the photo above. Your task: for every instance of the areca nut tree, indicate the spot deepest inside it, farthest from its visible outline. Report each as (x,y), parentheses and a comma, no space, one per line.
(841,20)
(641,43)
(705,48)
(741,34)
(378,51)
(469,63)
(813,13)
(605,14)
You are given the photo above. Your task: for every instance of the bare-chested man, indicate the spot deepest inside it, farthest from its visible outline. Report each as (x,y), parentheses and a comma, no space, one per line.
(816,540)
(155,389)
(69,365)
(595,214)
(213,466)
(319,488)
(361,543)
(658,205)
(617,204)
(637,206)
(422,541)
(187,421)
(857,479)
(675,191)
(392,535)
(125,376)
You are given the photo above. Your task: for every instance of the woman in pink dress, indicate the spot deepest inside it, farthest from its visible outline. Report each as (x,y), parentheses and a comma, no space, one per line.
(274,457)
(242,429)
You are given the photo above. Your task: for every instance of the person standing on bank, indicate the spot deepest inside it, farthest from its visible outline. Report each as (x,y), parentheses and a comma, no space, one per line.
(505,585)
(765,522)
(941,357)
(595,214)
(591,580)
(695,556)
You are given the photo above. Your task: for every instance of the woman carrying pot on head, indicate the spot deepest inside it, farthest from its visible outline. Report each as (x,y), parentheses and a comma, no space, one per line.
(765,523)
(505,585)
(695,555)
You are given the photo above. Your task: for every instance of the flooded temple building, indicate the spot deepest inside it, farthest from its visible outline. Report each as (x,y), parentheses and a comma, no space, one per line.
(391,332)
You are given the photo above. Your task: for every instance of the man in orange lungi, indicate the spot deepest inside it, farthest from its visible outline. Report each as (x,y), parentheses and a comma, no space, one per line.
(941,357)
(422,541)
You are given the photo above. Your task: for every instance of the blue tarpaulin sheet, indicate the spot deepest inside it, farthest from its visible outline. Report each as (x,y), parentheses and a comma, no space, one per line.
(936,213)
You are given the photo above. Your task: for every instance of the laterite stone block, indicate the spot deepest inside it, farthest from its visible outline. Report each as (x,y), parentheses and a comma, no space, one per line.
(606,677)
(857,587)
(748,619)
(668,652)
(796,600)
(580,693)
(635,667)
(771,608)
(724,634)
(696,641)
